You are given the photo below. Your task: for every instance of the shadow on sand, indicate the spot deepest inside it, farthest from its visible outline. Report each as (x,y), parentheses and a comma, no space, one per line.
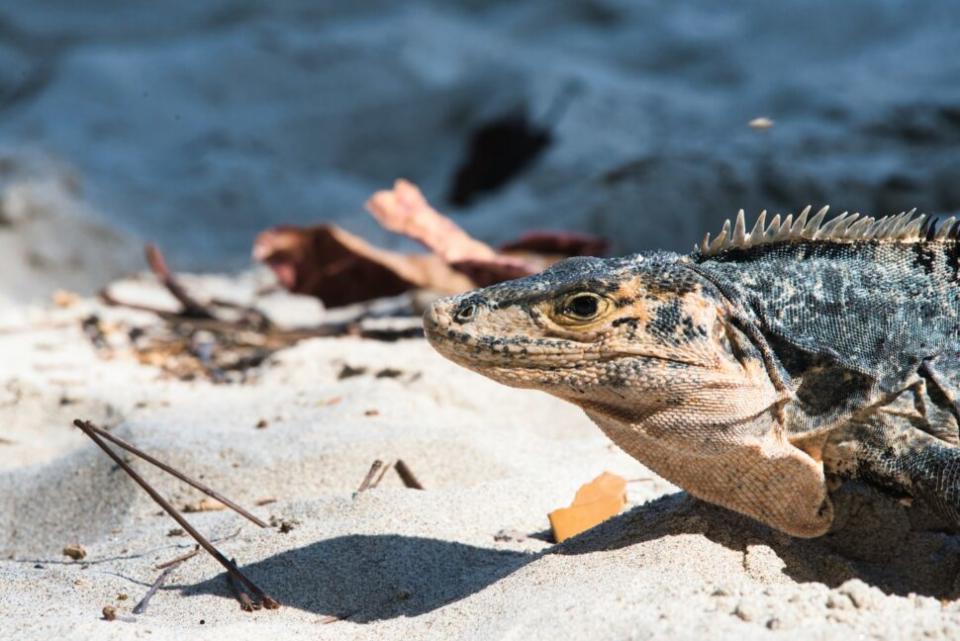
(373,577)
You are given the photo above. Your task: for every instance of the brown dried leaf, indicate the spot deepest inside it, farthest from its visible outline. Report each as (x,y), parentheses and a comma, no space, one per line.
(497,269)
(558,244)
(340,268)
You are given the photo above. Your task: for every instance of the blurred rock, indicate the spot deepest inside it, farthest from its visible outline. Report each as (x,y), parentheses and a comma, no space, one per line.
(196,125)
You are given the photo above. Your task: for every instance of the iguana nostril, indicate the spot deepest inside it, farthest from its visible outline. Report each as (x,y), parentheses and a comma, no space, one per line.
(466,313)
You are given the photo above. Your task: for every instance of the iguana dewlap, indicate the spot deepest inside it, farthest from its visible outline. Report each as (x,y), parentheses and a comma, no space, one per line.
(748,369)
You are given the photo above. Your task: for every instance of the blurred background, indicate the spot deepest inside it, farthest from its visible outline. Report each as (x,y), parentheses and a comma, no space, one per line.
(197,124)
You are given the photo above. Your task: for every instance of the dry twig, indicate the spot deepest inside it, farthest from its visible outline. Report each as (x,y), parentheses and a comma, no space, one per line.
(372,479)
(246,603)
(158,265)
(367,482)
(141,606)
(177,561)
(94,434)
(406,475)
(87,425)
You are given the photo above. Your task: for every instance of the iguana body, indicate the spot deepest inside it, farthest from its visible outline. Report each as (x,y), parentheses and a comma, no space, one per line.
(746,370)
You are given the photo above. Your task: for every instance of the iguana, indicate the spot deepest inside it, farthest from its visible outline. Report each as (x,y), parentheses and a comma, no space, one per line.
(754,369)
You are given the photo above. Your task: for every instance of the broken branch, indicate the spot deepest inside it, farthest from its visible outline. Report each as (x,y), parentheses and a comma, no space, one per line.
(141,606)
(231,568)
(169,470)
(406,475)
(158,265)
(246,603)
(367,482)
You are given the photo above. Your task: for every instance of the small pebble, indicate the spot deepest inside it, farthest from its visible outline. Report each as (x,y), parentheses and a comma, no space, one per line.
(746,611)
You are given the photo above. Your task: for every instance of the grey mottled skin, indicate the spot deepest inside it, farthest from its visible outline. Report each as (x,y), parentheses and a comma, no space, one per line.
(869,336)
(743,376)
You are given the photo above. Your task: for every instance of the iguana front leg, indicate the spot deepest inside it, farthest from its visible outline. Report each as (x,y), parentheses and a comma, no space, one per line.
(893,453)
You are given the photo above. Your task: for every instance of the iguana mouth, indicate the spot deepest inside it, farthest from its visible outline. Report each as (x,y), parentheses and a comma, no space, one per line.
(526,358)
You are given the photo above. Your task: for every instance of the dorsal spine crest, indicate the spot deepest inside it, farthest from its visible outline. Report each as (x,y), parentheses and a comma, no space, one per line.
(905,227)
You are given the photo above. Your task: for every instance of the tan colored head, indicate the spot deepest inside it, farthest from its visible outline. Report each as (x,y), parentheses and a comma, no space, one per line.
(649,349)
(589,328)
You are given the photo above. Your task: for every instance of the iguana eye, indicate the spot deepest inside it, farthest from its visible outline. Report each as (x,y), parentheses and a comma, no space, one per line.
(582,307)
(466,313)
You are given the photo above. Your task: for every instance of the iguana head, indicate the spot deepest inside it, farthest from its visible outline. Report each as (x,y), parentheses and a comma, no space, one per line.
(589,328)
(661,361)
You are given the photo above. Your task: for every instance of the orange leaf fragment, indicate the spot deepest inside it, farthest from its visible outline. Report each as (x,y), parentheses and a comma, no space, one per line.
(204,505)
(594,503)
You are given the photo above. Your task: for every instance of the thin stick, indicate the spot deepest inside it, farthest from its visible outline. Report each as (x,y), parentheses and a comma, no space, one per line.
(169,470)
(383,473)
(196,550)
(177,561)
(409,480)
(158,265)
(377,464)
(141,607)
(252,315)
(267,600)
(246,603)
(107,298)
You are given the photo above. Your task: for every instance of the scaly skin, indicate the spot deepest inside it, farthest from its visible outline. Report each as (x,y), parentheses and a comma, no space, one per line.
(741,374)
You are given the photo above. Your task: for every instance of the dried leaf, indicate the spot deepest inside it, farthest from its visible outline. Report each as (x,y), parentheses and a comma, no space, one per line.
(404,210)
(340,268)
(204,505)
(594,503)
(496,270)
(559,244)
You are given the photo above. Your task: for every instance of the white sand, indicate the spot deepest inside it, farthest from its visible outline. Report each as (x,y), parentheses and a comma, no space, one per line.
(400,563)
